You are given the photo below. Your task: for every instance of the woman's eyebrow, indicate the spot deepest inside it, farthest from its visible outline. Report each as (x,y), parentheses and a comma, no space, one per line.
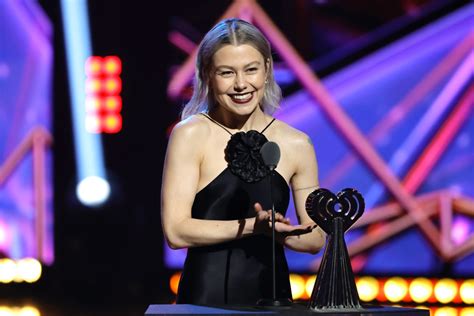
(256,63)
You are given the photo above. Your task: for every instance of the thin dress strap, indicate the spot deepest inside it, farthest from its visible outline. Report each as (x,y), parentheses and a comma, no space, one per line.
(216,122)
(219,124)
(267,126)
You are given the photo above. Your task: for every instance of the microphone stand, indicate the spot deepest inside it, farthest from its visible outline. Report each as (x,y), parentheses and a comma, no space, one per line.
(273,239)
(274,302)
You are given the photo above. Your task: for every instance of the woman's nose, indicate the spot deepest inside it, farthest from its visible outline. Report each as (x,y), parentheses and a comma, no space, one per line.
(240,83)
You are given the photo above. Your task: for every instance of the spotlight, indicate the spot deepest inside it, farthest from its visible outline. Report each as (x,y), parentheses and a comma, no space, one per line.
(93,191)
(112,65)
(445,290)
(7,270)
(93,66)
(446,311)
(368,288)
(395,289)
(420,290)
(28,270)
(28,311)
(467,291)
(174,282)
(467,311)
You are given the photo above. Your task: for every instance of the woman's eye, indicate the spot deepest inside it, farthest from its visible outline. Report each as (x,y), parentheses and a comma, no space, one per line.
(252,70)
(226,73)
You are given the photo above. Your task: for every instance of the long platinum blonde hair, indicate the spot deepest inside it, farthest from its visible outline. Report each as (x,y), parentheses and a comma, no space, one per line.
(235,32)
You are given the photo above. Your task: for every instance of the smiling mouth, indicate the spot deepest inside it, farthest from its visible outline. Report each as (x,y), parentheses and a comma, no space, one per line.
(241,98)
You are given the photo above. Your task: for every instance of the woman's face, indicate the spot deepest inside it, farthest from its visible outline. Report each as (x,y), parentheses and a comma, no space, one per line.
(238,78)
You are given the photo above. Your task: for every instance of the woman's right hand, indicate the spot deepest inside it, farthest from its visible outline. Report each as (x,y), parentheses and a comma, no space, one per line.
(263,223)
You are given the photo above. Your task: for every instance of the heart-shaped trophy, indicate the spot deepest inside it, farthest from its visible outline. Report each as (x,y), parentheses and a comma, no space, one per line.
(335,287)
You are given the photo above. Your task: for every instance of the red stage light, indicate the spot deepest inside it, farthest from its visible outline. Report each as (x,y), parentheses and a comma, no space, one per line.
(112,103)
(93,104)
(112,85)
(94,66)
(94,86)
(111,123)
(112,66)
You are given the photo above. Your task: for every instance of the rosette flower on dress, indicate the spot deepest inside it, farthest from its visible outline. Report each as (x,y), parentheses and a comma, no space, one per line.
(243,156)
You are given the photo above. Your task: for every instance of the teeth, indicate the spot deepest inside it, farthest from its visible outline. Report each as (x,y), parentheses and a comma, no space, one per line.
(241,96)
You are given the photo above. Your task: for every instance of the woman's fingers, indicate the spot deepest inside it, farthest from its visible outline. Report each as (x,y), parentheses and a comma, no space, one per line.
(258,207)
(293,230)
(263,220)
(278,217)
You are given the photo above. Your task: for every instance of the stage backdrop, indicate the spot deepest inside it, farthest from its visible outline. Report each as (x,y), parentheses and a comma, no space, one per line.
(412,101)
(26,219)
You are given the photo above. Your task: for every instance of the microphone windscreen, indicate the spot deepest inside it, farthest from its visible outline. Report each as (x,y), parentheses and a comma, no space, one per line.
(270,154)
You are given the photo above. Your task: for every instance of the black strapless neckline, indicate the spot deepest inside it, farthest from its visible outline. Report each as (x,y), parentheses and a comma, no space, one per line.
(276,173)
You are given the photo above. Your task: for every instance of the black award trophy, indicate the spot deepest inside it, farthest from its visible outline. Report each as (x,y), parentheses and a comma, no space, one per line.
(335,290)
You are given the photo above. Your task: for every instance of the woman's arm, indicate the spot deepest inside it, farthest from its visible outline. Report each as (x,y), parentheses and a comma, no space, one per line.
(179,186)
(303,182)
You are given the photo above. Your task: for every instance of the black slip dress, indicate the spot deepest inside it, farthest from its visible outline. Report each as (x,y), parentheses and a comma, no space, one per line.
(238,272)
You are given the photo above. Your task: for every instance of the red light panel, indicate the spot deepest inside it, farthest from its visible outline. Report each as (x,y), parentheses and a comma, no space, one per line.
(103,102)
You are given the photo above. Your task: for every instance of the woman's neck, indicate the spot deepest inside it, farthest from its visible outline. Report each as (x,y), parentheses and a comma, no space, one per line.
(244,123)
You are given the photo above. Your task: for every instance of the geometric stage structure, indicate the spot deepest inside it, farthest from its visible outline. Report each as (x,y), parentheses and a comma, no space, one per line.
(26,215)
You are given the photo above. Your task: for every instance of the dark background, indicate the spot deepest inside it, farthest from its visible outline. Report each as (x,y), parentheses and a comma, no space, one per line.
(110,258)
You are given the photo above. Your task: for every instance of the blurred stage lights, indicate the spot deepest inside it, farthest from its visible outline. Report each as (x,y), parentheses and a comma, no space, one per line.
(466,311)
(446,311)
(93,191)
(466,292)
(420,290)
(368,288)
(298,286)
(310,281)
(103,66)
(19,311)
(107,86)
(103,103)
(174,282)
(395,289)
(23,270)
(445,290)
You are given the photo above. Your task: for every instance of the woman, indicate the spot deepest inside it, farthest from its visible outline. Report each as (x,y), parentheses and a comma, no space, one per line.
(216,197)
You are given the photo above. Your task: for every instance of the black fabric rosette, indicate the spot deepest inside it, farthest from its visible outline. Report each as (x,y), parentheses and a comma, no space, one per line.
(243,156)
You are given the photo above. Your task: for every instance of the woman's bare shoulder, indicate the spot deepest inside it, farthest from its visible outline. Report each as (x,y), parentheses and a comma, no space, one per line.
(291,135)
(194,127)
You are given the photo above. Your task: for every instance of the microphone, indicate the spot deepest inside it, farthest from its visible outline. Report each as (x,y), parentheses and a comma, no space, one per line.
(270,153)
